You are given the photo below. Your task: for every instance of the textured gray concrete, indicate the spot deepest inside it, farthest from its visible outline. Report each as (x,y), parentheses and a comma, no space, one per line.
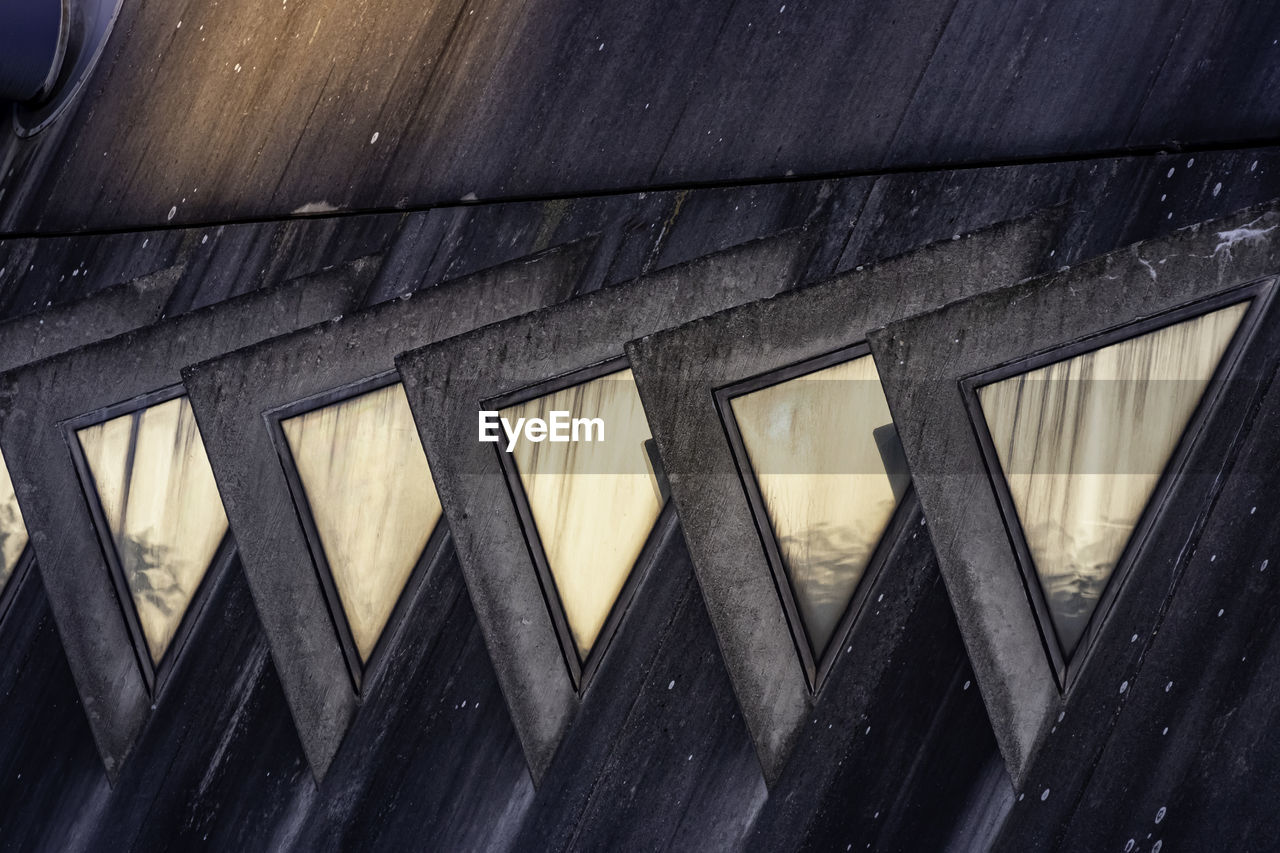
(678,371)
(922,361)
(46,333)
(110,312)
(37,398)
(219,764)
(230,395)
(447,384)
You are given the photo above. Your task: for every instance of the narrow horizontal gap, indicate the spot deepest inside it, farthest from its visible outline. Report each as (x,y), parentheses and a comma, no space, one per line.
(1164,149)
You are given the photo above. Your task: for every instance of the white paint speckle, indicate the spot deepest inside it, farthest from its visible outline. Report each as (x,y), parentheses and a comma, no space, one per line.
(1151,271)
(1128,847)
(1160,814)
(1254,167)
(374,138)
(1265,563)
(600,48)
(672,684)
(1220,612)
(1134,638)
(966,685)
(1213,558)
(173,211)
(1155,848)
(1170,175)
(1252,510)
(1168,687)
(204,239)
(1164,196)
(1165,732)
(1124,687)
(469,197)
(868,731)
(237,67)
(690,758)
(1217,188)
(1191,162)
(315,207)
(1227,240)
(1044,795)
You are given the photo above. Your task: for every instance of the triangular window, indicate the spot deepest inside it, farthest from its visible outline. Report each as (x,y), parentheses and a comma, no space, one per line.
(589,505)
(158,510)
(362,481)
(1082,443)
(826,474)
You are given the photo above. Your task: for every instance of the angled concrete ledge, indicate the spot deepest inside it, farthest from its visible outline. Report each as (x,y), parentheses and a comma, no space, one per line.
(43,334)
(924,363)
(232,395)
(449,382)
(37,399)
(679,371)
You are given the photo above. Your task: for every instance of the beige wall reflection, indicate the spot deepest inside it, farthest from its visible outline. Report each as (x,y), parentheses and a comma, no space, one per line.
(593,503)
(1083,442)
(159,497)
(13,530)
(821,472)
(369,488)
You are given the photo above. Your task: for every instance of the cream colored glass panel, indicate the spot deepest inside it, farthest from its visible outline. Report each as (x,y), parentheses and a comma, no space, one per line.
(813,451)
(594,503)
(372,499)
(160,500)
(13,531)
(1083,442)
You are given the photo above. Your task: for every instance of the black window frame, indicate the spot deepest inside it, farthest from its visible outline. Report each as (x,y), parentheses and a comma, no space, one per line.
(364,674)
(817,664)
(580,670)
(155,673)
(1065,667)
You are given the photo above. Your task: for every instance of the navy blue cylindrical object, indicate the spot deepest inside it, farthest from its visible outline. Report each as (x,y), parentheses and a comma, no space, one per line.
(33,41)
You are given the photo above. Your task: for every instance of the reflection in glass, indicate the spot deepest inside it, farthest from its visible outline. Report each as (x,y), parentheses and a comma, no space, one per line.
(829,468)
(1083,442)
(158,495)
(593,503)
(371,497)
(13,531)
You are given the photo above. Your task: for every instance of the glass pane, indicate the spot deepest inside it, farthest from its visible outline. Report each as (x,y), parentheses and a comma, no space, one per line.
(594,503)
(829,468)
(13,531)
(158,495)
(1083,442)
(372,499)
